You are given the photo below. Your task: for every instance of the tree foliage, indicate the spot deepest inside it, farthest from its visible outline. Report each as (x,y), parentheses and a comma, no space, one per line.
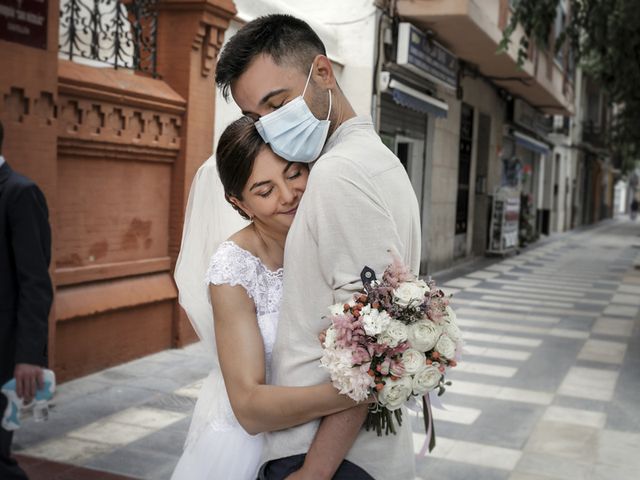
(604,37)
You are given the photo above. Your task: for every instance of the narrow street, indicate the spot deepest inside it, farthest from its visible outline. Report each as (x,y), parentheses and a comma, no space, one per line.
(548,387)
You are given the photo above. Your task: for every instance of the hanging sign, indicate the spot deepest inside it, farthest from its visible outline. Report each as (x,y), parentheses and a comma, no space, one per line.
(426,57)
(24,22)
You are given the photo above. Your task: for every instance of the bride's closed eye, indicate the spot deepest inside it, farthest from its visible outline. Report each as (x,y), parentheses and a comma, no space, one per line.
(267,193)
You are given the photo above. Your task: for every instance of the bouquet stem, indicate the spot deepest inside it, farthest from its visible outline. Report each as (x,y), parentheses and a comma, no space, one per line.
(383,420)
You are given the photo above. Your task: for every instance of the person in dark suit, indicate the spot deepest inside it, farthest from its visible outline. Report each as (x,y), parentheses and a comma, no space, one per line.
(26,293)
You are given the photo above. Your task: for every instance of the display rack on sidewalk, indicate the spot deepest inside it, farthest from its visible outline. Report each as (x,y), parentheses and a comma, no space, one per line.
(505,216)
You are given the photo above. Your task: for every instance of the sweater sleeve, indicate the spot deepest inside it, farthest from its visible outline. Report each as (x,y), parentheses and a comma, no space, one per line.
(351,227)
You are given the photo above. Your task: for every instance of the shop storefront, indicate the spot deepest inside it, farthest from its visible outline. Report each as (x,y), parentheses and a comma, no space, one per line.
(409,106)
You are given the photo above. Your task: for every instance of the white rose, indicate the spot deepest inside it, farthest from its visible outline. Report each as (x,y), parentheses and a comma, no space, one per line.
(410,292)
(396,333)
(452,330)
(336,309)
(413,360)
(423,335)
(374,321)
(426,379)
(395,392)
(446,347)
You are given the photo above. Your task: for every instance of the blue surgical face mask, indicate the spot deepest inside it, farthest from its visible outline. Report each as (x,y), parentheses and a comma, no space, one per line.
(293,132)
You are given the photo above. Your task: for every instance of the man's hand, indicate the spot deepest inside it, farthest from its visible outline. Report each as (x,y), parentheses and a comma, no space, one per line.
(29,379)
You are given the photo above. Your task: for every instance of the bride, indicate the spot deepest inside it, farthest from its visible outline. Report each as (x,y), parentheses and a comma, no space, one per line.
(244,281)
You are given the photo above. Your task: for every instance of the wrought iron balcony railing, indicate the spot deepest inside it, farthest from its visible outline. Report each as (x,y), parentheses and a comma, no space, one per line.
(121,33)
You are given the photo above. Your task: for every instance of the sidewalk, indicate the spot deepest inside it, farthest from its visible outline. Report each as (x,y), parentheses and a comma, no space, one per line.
(548,388)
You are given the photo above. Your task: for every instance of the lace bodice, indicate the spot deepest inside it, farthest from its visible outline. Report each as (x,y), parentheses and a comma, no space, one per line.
(232,265)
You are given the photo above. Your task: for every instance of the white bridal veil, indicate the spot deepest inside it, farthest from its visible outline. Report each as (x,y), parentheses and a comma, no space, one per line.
(209,220)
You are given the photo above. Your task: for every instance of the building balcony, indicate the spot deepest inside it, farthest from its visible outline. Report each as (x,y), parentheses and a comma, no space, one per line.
(472,30)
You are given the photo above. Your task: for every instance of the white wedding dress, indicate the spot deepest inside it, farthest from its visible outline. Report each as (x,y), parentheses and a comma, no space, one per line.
(217,447)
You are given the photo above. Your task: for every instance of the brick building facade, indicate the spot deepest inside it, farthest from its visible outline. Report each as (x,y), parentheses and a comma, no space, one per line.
(114,151)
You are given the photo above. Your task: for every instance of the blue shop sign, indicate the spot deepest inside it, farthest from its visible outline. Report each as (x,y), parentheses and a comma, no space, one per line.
(426,57)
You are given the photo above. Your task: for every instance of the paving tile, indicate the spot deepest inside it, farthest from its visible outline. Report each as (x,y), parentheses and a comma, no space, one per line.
(502,424)
(629,289)
(500,353)
(603,351)
(619,448)
(540,285)
(528,476)
(575,416)
(613,327)
(67,449)
(525,396)
(617,472)
(133,462)
(166,441)
(525,301)
(488,369)
(626,298)
(502,339)
(503,292)
(551,294)
(462,283)
(499,267)
(621,311)
(482,275)
(479,454)
(475,313)
(561,439)
(192,390)
(151,418)
(173,402)
(589,383)
(544,466)
(455,414)
(430,467)
(483,390)
(112,433)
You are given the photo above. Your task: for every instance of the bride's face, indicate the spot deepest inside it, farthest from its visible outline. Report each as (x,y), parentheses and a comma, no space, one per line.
(274,190)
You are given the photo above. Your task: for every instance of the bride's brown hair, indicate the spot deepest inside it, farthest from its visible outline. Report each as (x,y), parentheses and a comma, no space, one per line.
(238,147)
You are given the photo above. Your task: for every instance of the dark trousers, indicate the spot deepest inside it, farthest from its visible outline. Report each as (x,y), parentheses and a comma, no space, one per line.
(283,467)
(9,468)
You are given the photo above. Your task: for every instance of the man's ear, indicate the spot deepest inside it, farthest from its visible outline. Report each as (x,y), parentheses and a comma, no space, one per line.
(323,72)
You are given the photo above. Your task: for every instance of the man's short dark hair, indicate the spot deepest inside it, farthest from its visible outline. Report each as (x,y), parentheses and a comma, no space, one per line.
(287,39)
(1,136)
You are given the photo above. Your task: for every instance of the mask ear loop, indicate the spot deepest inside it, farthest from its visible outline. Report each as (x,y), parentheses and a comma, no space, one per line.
(308,78)
(305,91)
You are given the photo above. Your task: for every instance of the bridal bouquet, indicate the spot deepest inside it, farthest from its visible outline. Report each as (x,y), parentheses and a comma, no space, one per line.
(394,340)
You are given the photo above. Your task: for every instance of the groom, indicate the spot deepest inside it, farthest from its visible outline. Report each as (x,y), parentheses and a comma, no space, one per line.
(359,204)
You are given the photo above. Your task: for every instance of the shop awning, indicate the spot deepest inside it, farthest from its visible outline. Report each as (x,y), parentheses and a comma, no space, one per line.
(531,143)
(411,98)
